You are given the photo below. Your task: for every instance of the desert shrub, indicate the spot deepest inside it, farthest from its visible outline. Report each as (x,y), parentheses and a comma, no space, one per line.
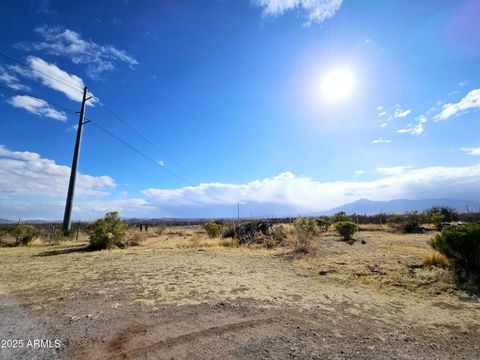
(248,232)
(307,226)
(412,223)
(338,217)
(303,244)
(279,235)
(213,229)
(461,245)
(394,220)
(24,234)
(346,229)
(448,213)
(436,218)
(107,232)
(437,260)
(323,225)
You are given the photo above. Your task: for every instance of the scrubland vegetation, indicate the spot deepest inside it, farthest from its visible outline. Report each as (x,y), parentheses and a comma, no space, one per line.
(400,269)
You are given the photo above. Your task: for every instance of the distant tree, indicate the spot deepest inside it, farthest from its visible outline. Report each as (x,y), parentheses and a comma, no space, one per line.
(448,213)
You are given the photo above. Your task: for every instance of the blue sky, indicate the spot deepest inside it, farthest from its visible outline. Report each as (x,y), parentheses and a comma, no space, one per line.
(230,90)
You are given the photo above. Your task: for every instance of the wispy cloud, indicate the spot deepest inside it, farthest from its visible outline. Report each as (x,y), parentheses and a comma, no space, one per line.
(399,113)
(316,11)
(469,101)
(37,107)
(55,78)
(471,150)
(380,141)
(11,80)
(386,115)
(64,42)
(24,173)
(358,173)
(392,170)
(415,129)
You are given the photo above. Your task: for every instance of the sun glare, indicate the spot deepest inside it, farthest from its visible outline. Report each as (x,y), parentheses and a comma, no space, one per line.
(337,85)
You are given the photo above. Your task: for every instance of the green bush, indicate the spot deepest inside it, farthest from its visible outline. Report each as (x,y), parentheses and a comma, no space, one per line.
(213,229)
(436,218)
(23,234)
(338,217)
(346,229)
(107,232)
(323,224)
(461,245)
(307,226)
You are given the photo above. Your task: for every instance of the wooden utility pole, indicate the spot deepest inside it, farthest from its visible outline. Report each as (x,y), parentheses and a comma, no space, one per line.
(67,217)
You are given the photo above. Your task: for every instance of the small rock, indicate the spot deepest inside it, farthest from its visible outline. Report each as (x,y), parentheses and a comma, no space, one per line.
(74,318)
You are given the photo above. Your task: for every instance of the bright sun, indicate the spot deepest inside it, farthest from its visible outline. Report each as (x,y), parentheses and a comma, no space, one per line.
(337,85)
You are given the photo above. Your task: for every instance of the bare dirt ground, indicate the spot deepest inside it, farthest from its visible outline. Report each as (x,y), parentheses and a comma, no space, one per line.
(176,296)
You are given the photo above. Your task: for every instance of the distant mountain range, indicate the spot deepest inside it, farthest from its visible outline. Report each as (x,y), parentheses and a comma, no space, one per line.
(369,207)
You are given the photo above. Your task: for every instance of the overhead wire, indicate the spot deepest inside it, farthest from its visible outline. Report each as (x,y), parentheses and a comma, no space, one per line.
(128,124)
(24,93)
(142,135)
(141,153)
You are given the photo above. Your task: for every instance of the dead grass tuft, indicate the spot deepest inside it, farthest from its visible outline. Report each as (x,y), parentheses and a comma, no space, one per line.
(436,260)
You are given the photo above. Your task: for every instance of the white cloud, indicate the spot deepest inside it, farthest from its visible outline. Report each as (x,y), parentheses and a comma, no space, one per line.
(469,101)
(471,150)
(161,162)
(463,83)
(55,78)
(37,106)
(28,174)
(386,115)
(399,113)
(11,80)
(316,10)
(64,42)
(392,170)
(380,141)
(416,129)
(359,173)
(303,194)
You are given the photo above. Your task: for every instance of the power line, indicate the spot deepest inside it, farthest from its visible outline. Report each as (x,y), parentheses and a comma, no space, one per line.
(138,132)
(141,153)
(64,82)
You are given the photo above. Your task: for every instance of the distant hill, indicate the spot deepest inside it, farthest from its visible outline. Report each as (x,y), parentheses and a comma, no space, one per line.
(368,207)
(5,221)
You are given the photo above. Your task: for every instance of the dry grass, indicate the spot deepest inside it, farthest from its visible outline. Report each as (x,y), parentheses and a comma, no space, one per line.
(436,260)
(164,269)
(199,242)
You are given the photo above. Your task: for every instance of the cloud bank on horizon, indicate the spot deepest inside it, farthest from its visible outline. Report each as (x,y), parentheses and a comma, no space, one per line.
(28,174)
